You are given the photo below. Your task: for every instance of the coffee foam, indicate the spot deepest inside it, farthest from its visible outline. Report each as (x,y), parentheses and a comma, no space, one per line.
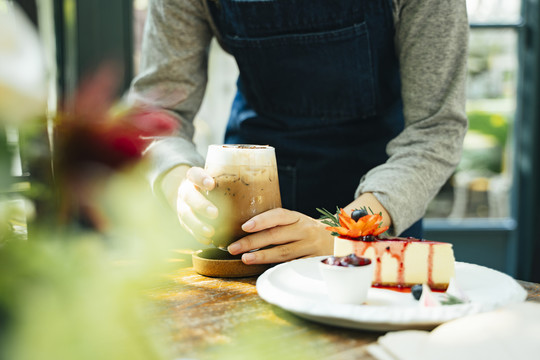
(241,155)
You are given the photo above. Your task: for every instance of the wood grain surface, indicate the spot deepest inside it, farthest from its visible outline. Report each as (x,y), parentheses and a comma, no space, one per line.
(215,318)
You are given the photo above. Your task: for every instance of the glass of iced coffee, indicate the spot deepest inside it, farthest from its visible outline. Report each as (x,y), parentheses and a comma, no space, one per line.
(246,185)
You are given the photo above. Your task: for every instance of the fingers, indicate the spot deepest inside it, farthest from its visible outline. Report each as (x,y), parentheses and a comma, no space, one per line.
(269,228)
(200,177)
(282,235)
(192,207)
(189,221)
(270,219)
(273,236)
(189,194)
(277,254)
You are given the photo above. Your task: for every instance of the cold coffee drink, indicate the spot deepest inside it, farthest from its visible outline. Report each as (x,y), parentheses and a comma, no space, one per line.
(246,185)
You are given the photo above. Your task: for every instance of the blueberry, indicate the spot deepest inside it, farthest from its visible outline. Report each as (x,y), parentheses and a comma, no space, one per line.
(358,213)
(331,260)
(416,291)
(354,259)
(350,260)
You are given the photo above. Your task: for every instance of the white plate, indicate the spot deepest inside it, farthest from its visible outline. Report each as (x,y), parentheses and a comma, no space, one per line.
(297,286)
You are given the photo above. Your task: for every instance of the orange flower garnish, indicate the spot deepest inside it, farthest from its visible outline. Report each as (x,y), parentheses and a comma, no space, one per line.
(366,225)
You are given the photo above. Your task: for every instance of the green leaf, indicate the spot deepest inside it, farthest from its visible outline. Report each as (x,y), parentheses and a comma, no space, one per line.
(452,300)
(326,222)
(329,218)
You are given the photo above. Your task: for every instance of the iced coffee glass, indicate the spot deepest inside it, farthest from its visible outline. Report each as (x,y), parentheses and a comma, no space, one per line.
(246,185)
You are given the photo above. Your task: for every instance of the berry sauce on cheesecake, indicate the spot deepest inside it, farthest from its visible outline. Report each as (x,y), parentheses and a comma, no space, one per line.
(403,262)
(399,262)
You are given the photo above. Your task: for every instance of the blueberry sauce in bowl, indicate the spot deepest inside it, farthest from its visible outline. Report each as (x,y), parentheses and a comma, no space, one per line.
(347,261)
(347,278)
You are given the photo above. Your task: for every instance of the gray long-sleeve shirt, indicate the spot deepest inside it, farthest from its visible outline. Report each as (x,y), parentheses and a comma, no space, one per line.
(431,41)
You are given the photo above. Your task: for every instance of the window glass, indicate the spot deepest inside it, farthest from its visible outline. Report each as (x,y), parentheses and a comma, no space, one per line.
(494,11)
(480,187)
(139,17)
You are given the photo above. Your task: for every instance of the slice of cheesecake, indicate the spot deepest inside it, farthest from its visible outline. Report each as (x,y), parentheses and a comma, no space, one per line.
(403,262)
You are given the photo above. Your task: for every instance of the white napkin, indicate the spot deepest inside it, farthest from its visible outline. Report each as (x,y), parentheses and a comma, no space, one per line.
(511,333)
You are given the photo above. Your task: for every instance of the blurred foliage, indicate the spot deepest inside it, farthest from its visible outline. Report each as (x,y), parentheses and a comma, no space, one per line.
(5,160)
(492,124)
(75,286)
(485,143)
(80,294)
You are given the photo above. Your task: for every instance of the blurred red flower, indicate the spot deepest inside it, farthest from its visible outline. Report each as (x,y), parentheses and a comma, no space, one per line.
(91,141)
(89,133)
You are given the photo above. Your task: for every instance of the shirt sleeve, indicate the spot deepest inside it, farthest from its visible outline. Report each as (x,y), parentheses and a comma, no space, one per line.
(173,76)
(431,42)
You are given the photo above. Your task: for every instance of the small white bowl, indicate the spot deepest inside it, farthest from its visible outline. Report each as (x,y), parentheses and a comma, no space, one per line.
(347,285)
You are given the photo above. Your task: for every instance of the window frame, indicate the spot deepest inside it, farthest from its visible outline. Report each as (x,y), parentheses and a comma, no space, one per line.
(89,34)
(526,192)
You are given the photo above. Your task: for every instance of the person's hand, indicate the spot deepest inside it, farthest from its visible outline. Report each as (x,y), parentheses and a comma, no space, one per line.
(290,234)
(193,208)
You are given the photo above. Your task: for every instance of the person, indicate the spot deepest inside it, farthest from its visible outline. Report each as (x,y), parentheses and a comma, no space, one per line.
(363,101)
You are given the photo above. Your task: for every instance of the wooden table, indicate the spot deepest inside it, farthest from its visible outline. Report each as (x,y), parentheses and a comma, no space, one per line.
(212,318)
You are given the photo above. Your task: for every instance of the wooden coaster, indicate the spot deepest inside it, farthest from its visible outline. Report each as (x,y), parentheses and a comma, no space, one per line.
(214,262)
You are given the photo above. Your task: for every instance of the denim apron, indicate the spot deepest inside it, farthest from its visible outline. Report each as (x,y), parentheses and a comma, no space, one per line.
(319,81)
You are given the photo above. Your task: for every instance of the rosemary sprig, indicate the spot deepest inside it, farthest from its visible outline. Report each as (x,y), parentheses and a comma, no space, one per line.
(333,220)
(328,218)
(451,300)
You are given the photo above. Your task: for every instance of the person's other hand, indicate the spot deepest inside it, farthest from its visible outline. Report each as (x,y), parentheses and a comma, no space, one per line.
(193,208)
(290,235)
